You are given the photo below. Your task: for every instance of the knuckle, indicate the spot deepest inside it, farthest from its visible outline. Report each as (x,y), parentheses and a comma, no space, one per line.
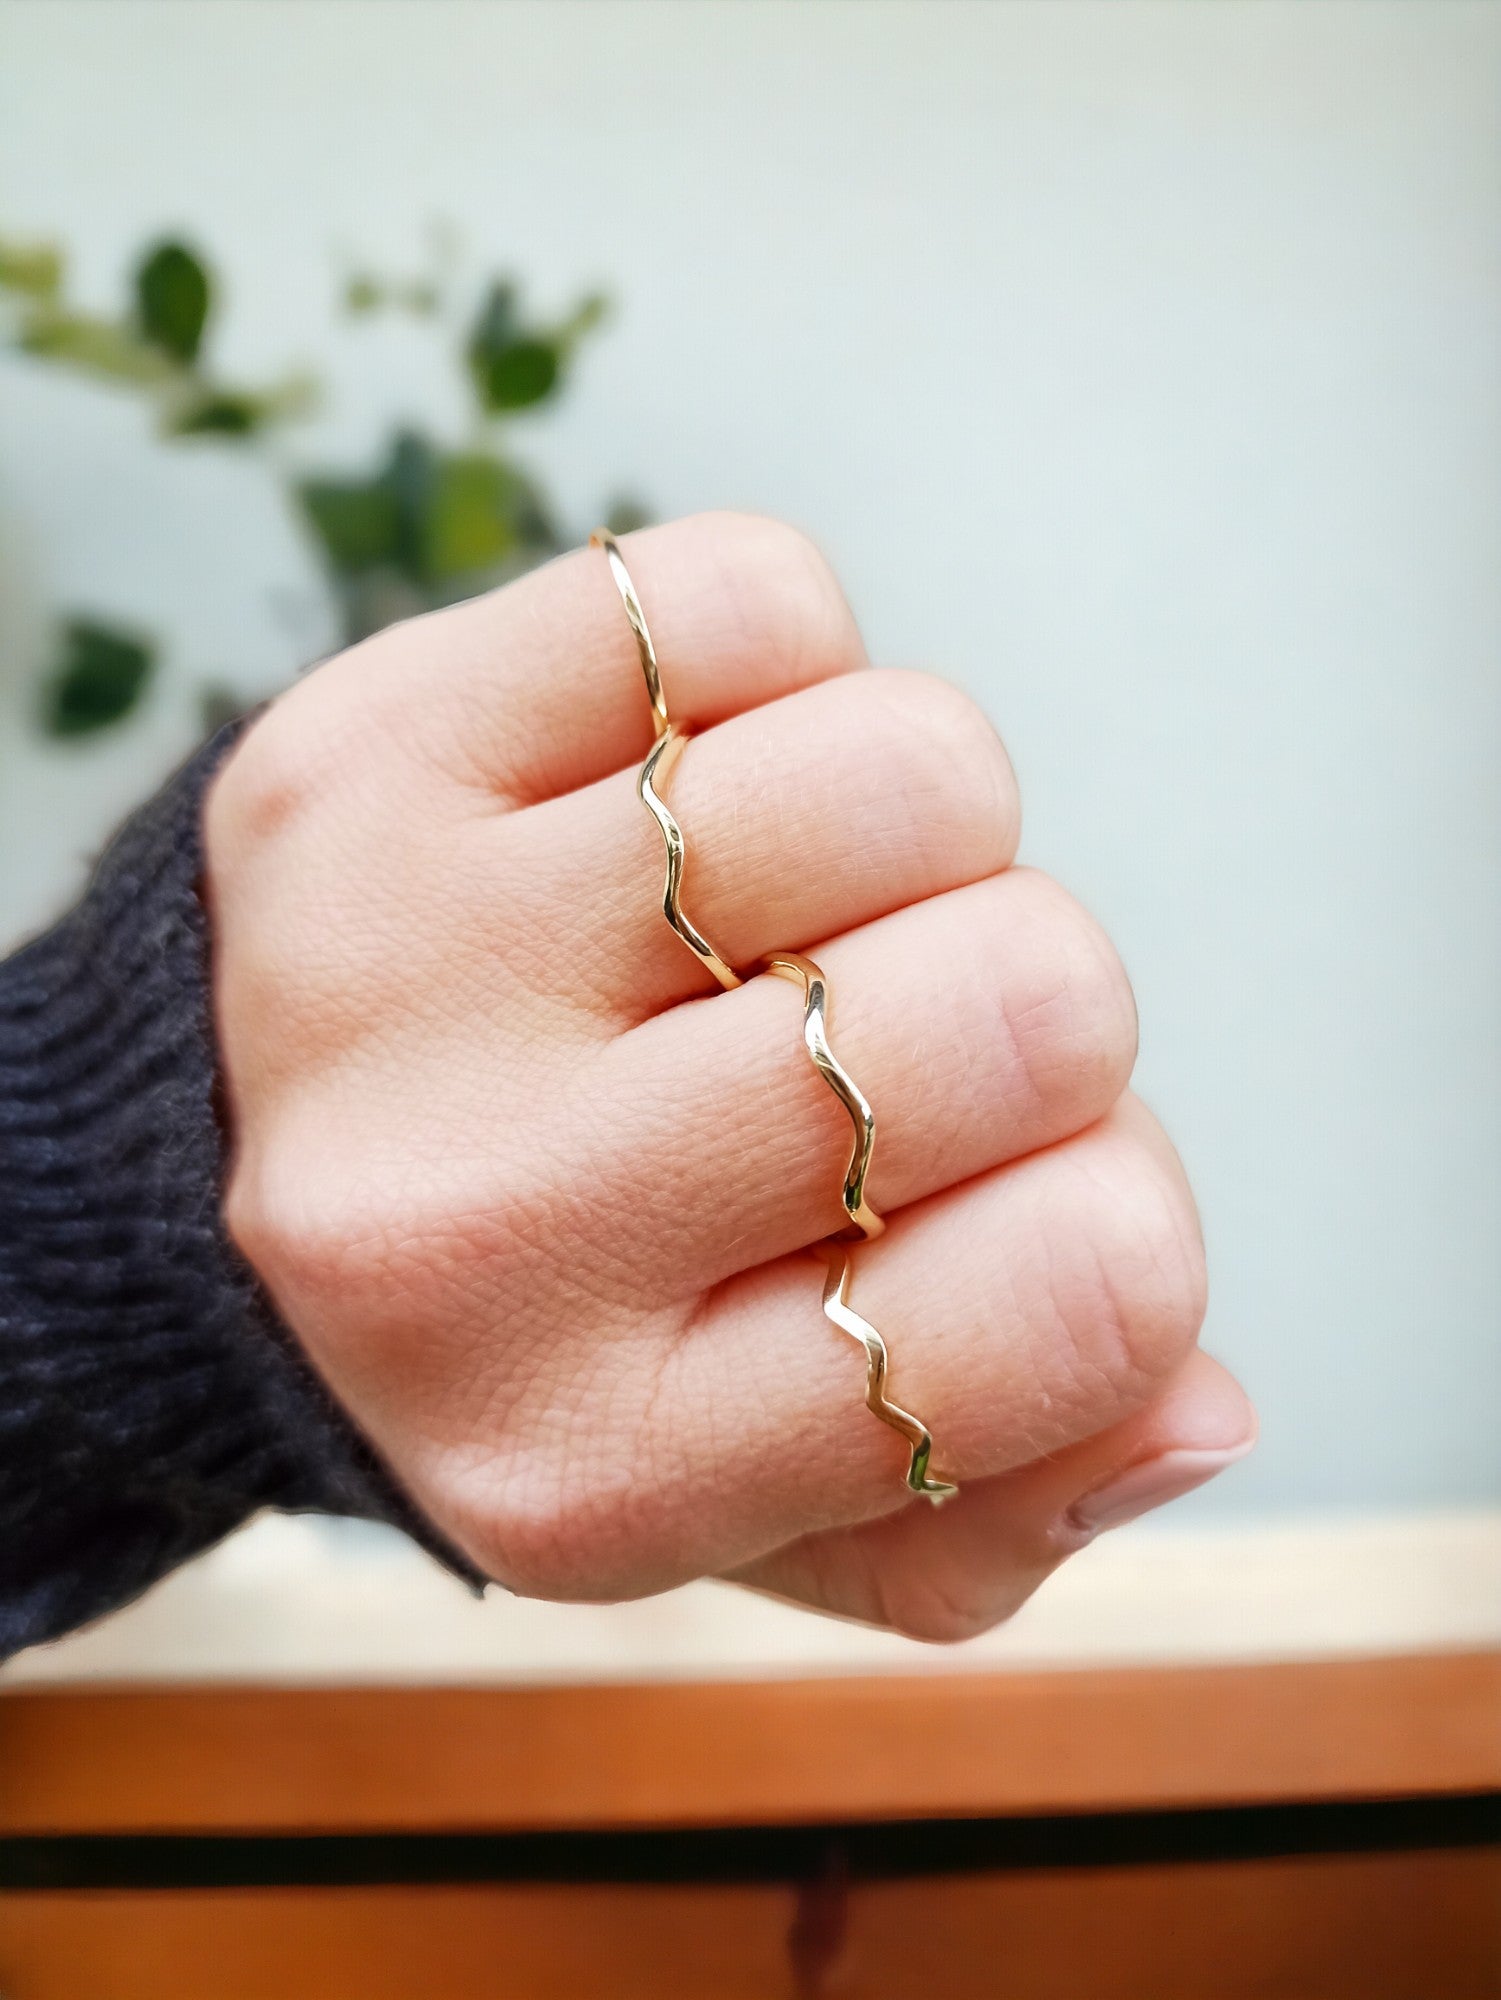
(935,1619)
(1150,1282)
(588,1500)
(309,1241)
(776,577)
(273,774)
(1072,1023)
(943,1605)
(342,732)
(523,1531)
(548,1531)
(929,706)
(938,749)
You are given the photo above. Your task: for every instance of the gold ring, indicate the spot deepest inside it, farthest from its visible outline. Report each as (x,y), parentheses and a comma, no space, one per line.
(864,1222)
(645,650)
(660,759)
(863,1219)
(837,1308)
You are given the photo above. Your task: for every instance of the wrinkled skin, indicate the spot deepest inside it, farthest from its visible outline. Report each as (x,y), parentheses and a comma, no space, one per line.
(536,1196)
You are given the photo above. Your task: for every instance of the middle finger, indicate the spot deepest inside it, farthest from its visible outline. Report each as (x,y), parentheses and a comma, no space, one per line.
(802,819)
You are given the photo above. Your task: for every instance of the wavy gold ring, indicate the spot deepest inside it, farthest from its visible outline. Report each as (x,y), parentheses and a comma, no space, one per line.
(919,1440)
(660,759)
(646,651)
(792,965)
(864,1222)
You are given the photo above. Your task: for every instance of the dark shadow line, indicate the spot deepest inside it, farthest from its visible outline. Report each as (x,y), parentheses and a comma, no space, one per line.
(750,1854)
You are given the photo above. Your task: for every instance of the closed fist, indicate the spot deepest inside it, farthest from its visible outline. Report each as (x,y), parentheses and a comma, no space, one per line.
(536,1196)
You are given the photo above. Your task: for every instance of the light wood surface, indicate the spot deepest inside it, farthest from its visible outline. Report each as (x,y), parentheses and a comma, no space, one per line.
(767,1752)
(1377,1927)
(298,1601)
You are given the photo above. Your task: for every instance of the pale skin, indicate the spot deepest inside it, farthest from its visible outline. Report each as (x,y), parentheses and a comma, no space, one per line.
(537,1198)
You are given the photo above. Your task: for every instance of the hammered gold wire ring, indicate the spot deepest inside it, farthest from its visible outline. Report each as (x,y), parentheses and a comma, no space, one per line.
(837,1308)
(863,1219)
(646,651)
(660,759)
(864,1223)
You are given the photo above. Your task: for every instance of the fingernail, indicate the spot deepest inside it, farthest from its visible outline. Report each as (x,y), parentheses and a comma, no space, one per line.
(1154,1482)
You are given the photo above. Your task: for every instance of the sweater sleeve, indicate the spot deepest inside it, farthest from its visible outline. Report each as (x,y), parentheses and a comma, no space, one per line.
(150,1401)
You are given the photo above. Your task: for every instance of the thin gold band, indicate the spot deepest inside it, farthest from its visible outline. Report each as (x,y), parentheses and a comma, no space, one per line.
(863,1221)
(646,651)
(660,759)
(837,1308)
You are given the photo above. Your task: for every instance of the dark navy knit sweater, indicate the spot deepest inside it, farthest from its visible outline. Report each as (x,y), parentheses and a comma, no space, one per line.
(149,1399)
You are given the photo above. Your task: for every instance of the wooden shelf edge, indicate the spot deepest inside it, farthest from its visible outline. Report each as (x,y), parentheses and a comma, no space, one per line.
(256,1759)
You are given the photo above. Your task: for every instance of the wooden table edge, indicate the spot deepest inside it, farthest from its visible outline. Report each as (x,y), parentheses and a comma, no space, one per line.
(250,1759)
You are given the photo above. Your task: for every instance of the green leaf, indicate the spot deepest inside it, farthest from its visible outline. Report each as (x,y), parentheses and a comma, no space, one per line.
(173,297)
(525,373)
(366,293)
(427,525)
(512,367)
(33,269)
(470,519)
(377,523)
(220,413)
(100,676)
(498,323)
(210,409)
(584,318)
(363,294)
(96,346)
(411,473)
(356,521)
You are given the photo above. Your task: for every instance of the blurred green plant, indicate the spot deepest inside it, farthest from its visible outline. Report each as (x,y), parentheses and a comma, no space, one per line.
(153,346)
(99,676)
(431,522)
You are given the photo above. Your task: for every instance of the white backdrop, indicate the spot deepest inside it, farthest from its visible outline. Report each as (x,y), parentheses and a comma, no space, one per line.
(1137,365)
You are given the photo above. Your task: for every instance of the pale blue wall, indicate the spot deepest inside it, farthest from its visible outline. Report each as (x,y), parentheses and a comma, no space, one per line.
(1138,366)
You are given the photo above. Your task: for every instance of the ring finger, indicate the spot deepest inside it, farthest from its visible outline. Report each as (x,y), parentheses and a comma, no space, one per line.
(981,1025)
(1030,1309)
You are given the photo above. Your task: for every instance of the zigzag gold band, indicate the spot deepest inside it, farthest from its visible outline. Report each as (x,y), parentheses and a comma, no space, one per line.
(864,1223)
(660,759)
(864,1220)
(838,1309)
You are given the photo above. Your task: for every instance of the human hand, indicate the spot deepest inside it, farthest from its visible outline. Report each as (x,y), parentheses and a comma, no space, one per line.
(535,1196)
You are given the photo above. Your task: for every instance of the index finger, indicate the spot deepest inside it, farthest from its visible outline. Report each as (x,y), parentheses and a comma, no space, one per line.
(539,686)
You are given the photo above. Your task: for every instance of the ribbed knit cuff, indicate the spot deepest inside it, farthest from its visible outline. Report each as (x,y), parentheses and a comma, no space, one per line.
(150,1401)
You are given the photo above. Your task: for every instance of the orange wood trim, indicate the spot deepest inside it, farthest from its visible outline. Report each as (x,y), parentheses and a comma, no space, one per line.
(1337,1927)
(267,1759)
(538,1942)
